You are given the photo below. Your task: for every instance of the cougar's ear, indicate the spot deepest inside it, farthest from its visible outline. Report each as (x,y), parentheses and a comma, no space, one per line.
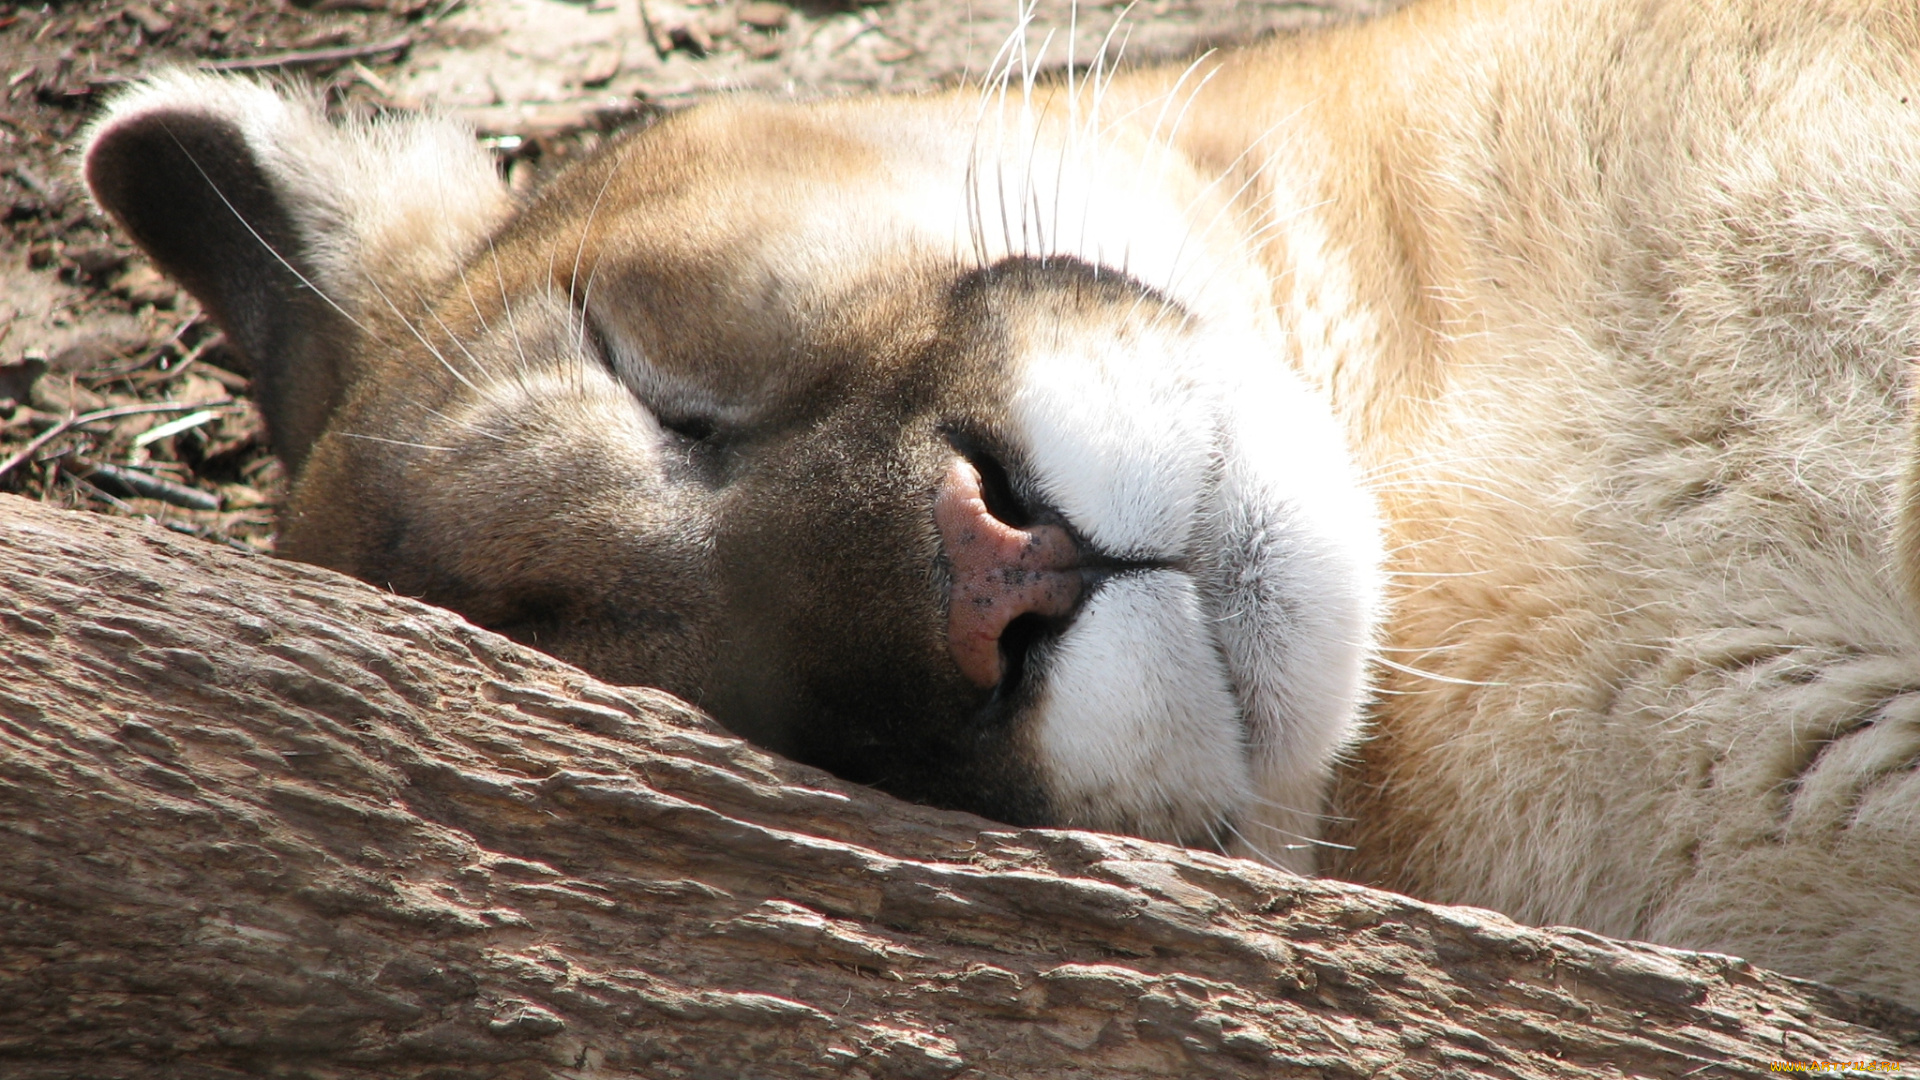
(299,236)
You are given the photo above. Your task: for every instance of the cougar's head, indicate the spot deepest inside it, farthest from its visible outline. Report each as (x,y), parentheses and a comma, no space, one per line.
(943,445)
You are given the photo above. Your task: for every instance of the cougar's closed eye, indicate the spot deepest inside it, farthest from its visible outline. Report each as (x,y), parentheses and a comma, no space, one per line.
(681,410)
(697,429)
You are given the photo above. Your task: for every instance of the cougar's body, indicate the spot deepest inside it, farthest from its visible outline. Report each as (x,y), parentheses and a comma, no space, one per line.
(1496,415)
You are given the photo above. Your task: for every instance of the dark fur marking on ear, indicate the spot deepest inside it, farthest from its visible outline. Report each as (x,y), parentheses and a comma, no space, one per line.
(191,192)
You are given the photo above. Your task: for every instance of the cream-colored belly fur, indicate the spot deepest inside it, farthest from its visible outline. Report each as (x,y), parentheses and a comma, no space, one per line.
(1619,304)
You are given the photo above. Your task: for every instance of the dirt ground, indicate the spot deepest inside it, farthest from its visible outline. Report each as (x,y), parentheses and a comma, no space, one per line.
(117,395)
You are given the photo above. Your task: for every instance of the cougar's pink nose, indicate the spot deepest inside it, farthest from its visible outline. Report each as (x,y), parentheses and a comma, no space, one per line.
(1000,573)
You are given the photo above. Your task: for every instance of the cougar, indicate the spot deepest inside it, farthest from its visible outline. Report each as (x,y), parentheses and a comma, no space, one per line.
(1485,430)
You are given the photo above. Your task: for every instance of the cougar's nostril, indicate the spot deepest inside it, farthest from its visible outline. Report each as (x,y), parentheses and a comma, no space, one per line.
(1017,640)
(1003,572)
(996,487)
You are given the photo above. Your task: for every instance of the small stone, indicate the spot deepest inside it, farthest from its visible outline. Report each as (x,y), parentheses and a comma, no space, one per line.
(761,46)
(764,15)
(894,52)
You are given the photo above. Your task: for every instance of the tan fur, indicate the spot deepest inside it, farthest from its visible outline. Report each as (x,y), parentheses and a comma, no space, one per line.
(1619,303)
(1615,305)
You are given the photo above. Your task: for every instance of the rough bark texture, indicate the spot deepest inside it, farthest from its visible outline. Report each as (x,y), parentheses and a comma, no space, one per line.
(259,819)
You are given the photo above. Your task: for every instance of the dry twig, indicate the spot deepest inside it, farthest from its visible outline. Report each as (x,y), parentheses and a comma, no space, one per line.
(75,420)
(311,57)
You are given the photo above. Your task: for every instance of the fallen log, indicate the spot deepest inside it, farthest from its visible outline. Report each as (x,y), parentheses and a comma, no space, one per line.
(260,819)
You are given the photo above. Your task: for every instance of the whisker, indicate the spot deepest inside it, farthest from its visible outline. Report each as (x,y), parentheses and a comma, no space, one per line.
(436,413)
(466,283)
(1166,99)
(1259,851)
(1249,240)
(580,342)
(976,228)
(1033,196)
(1432,675)
(459,344)
(1304,841)
(261,240)
(1275,804)
(422,338)
(400,442)
(513,330)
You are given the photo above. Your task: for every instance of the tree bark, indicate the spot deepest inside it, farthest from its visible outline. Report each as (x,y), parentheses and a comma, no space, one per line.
(260,819)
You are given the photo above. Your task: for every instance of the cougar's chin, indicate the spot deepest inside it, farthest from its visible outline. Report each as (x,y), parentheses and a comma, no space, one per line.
(1204,687)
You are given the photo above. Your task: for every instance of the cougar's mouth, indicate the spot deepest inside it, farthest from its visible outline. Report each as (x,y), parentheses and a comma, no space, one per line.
(1174,589)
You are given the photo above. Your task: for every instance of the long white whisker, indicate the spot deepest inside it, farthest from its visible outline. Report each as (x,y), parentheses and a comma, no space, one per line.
(1000,185)
(1031,198)
(1253,176)
(1304,841)
(513,330)
(1259,852)
(976,228)
(580,341)
(1166,100)
(422,338)
(988,78)
(1261,800)
(400,442)
(459,344)
(431,411)
(1432,675)
(466,283)
(255,233)
(1069,141)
